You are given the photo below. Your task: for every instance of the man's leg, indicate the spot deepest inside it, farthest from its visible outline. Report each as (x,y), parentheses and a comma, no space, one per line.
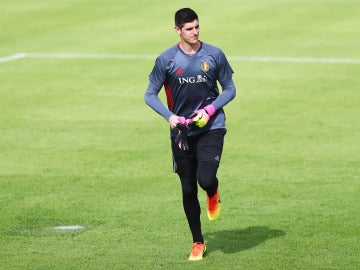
(185,167)
(209,150)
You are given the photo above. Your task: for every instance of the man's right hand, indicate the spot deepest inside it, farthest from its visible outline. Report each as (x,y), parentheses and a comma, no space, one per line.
(173,121)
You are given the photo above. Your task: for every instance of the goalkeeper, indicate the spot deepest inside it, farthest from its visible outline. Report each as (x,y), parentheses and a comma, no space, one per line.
(190,72)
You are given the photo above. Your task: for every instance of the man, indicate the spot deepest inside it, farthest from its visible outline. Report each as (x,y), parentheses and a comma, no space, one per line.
(189,72)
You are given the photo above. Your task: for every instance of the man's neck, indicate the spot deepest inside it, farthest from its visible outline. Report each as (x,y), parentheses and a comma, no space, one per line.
(189,48)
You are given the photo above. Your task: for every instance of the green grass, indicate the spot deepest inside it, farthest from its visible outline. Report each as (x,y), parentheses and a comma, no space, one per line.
(78,145)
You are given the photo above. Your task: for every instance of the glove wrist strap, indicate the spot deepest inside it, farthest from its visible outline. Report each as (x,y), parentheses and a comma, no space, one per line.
(210,110)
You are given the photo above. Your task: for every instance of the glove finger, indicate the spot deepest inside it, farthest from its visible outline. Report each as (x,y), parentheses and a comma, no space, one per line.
(185,145)
(178,137)
(181,140)
(180,145)
(197,117)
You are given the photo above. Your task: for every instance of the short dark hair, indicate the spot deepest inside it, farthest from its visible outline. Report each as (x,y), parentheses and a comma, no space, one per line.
(185,15)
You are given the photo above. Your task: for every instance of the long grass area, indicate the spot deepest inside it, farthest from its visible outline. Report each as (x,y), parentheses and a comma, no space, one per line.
(79,147)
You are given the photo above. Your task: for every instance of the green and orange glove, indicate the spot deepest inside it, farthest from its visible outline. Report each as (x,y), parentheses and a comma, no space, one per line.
(203,115)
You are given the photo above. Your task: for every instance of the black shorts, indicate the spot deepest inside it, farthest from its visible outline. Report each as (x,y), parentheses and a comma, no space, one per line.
(206,147)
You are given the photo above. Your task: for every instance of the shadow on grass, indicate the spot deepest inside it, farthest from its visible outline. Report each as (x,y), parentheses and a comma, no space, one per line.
(237,240)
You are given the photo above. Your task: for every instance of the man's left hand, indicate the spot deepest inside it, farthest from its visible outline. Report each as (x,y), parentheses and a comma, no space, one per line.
(202,116)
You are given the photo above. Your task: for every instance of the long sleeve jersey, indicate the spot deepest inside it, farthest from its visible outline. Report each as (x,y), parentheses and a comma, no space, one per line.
(190,83)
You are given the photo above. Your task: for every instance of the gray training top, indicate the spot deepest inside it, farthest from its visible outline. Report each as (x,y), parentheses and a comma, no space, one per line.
(190,83)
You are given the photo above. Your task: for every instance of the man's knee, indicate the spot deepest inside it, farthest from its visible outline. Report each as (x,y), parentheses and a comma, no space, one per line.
(206,175)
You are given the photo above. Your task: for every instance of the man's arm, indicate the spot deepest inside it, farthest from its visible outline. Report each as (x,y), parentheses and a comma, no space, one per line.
(151,99)
(203,115)
(228,93)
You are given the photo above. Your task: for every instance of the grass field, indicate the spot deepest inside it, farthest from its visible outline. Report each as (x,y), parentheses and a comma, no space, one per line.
(78,145)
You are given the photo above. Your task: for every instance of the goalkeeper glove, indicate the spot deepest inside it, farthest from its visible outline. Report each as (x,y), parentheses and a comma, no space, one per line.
(181,137)
(203,115)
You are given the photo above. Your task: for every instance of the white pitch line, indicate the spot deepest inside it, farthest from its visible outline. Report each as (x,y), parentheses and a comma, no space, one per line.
(233,58)
(72,227)
(91,56)
(12,57)
(267,59)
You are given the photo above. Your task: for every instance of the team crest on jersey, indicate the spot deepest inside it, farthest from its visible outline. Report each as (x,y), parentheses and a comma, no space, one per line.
(205,66)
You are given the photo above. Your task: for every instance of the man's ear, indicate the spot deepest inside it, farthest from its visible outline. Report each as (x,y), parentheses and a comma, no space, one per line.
(177,29)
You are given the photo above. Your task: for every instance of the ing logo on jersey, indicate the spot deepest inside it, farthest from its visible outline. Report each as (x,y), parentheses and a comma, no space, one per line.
(191,80)
(205,66)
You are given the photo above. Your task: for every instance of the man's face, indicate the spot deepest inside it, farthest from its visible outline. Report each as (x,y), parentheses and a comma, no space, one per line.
(189,32)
